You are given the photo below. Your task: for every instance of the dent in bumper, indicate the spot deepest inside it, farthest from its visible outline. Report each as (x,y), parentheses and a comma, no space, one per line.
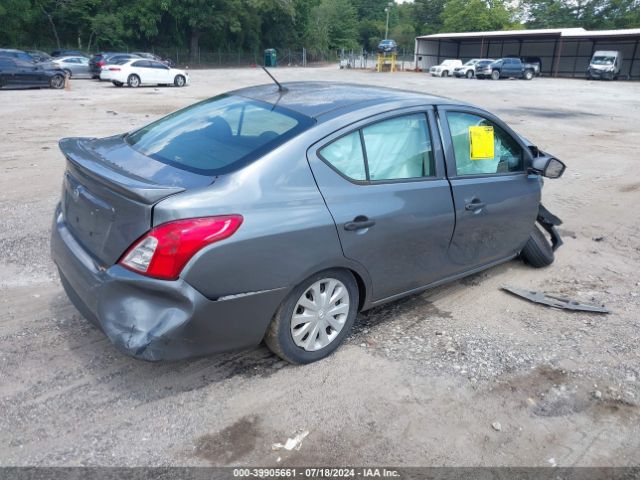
(155,319)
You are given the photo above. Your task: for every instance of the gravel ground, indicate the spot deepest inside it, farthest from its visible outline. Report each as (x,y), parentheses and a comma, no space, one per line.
(462,375)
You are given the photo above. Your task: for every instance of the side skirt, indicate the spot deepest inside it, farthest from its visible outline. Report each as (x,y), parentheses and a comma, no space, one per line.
(449,279)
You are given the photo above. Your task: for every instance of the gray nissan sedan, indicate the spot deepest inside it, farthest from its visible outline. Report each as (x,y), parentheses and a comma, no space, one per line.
(278,213)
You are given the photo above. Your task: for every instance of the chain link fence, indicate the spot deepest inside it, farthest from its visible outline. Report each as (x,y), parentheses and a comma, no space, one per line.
(220,58)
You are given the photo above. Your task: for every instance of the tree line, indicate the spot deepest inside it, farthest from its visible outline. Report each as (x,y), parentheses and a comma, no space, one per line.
(252,25)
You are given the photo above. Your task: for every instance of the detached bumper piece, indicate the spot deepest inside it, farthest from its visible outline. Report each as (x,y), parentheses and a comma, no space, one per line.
(549,222)
(554,301)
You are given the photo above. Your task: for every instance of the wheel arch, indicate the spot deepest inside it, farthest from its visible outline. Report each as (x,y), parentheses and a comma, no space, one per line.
(360,274)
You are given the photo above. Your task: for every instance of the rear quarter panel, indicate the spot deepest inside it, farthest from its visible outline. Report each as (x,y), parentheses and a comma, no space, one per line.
(287,233)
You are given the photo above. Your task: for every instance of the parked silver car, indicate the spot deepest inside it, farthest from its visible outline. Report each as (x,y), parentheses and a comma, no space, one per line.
(76,67)
(280,213)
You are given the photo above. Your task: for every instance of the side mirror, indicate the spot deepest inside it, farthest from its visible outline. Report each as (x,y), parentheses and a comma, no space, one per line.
(547,166)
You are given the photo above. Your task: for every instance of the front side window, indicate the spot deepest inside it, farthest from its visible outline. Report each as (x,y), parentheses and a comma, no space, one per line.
(394,149)
(481,147)
(218,135)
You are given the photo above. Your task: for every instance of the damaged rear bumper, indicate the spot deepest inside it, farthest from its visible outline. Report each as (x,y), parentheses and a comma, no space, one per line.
(156,319)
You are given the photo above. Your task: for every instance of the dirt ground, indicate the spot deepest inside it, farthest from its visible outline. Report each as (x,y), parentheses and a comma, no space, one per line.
(462,375)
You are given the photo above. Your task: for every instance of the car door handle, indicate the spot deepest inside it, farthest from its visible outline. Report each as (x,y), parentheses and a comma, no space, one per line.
(359,223)
(474,205)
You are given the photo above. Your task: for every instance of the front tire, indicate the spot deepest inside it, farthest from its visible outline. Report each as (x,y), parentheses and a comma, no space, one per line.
(179,81)
(445,74)
(495,75)
(133,81)
(528,74)
(57,81)
(537,252)
(469,74)
(315,318)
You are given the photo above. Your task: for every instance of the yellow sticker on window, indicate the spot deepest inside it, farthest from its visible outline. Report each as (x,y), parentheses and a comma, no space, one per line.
(481,142)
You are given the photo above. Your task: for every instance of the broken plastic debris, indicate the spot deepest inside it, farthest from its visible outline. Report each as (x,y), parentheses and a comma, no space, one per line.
(292,443)
(554,301)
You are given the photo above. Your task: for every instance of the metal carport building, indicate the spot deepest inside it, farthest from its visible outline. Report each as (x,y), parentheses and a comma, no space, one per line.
(565,52)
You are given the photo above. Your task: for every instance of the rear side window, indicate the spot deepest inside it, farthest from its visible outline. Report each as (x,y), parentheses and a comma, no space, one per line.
(394,149)
(494,150)
(218,135)
(345,155)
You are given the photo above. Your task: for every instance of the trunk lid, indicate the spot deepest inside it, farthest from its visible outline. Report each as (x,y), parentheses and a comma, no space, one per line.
(109,191)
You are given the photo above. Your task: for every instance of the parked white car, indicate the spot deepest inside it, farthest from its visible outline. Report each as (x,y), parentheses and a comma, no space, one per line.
(445,69)
(136,72)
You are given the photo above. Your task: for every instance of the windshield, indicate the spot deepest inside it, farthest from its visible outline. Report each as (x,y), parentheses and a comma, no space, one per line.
(603,60)
(218,135)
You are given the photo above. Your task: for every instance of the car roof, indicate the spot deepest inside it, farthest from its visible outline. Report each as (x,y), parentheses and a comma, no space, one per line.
(315,99)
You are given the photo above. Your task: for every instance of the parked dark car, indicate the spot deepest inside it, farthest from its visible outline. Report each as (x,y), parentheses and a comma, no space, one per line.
(506,68)
(68,53)
(278,214)
(39,56)
(387,46)
(99,60)
(16,54)
(17,73)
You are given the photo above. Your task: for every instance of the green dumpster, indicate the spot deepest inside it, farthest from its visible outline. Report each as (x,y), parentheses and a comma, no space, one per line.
(270,59)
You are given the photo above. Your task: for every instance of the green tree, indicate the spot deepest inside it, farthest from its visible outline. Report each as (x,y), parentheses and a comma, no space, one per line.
(332,26)
(475,16)
(427,16)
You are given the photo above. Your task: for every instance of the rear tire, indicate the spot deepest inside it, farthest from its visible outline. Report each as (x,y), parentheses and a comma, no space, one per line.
(117,84)
(495,75)
(57,81)
(279,336)
(133,81)
(537,252)
(179,81)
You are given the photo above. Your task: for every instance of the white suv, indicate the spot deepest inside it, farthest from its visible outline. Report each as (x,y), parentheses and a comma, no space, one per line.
(445,69)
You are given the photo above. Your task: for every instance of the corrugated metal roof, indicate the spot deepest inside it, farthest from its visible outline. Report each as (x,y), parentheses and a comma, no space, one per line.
(562,32)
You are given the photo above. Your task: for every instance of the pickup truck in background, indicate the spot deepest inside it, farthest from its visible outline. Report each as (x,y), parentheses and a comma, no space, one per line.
(507,68)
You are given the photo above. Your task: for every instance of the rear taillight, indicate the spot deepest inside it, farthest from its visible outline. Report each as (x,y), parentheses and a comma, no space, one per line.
(101,63)
(114,69)
(165,250)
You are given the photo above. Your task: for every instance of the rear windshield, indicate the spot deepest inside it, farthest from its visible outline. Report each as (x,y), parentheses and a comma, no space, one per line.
(218,135)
